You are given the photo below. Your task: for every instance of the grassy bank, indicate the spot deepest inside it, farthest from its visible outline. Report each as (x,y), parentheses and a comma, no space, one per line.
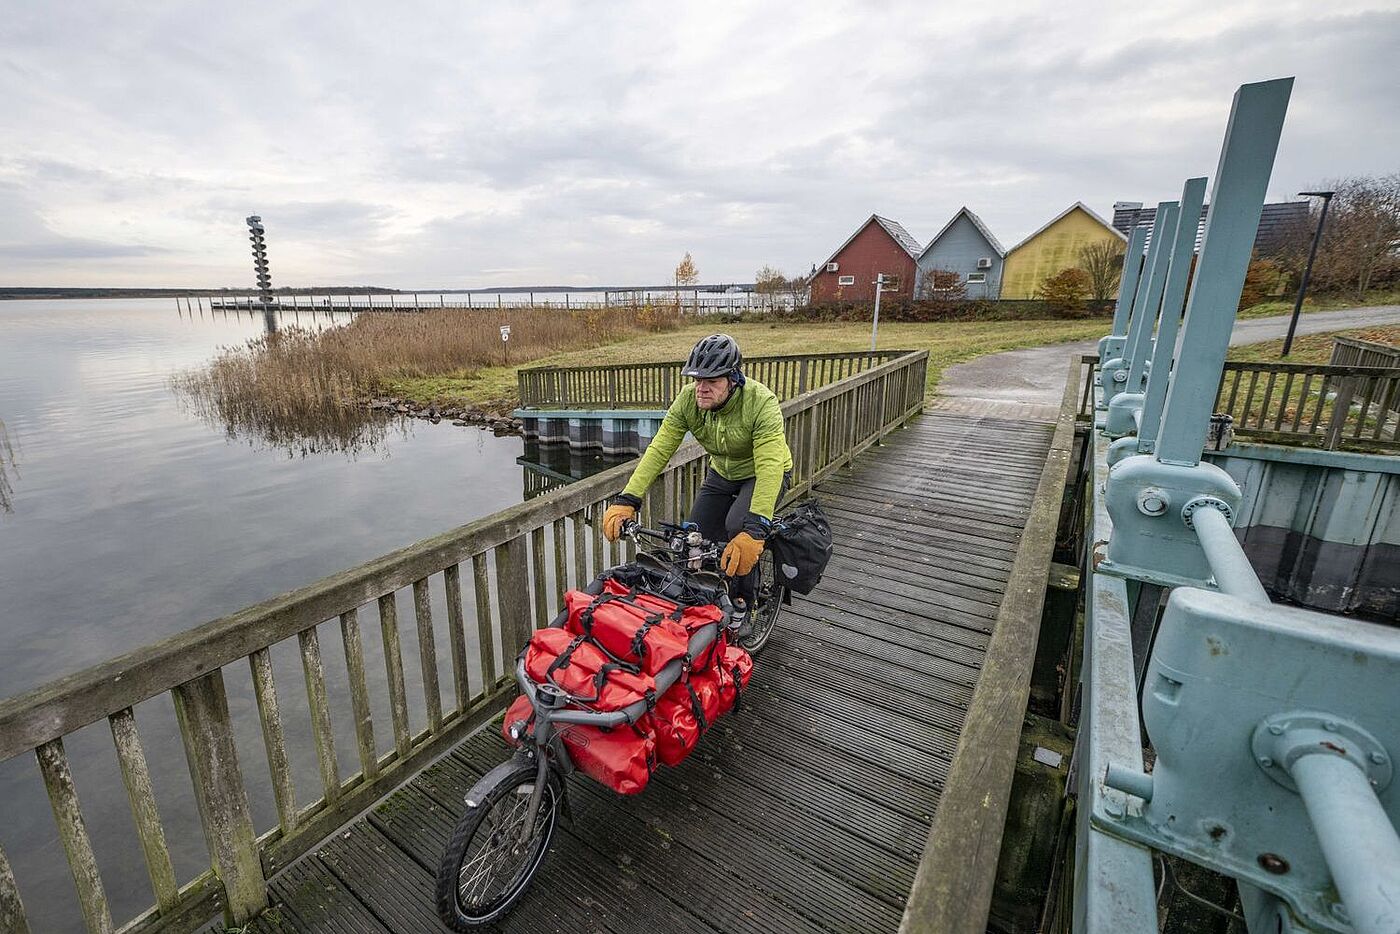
(1312,348)
(947,343)
(1321,303)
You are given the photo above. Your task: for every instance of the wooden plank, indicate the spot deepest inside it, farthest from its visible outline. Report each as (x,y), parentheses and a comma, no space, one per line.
(427,652)
(72,831)
(513,595)
(393,665)
(576,520)
(539,577)
(274,739)
(485,634)
(12,916)
(953,889)
(136,777)
(201,708)
(359,693)
(457,635)
(314,675)
(560,541)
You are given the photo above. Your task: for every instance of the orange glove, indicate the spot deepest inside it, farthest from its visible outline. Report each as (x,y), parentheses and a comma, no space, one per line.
(741,554)
(617,514)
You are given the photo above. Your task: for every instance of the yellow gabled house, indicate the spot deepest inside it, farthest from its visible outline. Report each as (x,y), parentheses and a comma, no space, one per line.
(1052,249)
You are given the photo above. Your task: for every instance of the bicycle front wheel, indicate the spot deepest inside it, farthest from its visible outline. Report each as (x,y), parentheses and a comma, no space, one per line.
(487,867)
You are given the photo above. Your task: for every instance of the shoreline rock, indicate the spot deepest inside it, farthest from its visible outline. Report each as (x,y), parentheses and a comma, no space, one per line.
(459,416)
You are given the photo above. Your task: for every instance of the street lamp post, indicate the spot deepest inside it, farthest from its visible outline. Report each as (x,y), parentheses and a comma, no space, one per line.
(1326,197)
(875,324)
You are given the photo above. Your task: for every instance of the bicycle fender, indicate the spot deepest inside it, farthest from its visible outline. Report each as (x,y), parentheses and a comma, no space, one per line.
(488,781)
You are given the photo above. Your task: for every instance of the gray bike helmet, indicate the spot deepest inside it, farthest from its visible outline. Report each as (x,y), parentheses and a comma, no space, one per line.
(716,355)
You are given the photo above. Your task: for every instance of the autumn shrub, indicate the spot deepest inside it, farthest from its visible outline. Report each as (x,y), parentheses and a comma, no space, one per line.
(1066,290)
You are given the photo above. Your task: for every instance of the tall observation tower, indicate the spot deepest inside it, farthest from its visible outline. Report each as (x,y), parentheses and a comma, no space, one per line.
(255,234)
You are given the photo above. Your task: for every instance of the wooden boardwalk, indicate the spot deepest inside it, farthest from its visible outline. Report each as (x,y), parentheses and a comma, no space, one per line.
(808,809)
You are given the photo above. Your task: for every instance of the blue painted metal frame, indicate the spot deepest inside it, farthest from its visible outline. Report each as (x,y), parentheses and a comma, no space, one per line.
(1275,728)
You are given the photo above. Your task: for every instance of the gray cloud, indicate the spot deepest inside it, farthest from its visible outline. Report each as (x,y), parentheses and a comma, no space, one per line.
(519,143)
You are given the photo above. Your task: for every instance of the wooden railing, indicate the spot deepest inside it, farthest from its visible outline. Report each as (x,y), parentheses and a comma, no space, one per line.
(654,385)
(1348,408)
(1348,351)
(513,565)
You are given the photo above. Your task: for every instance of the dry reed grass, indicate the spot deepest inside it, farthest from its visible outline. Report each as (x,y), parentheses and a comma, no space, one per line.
(305,390)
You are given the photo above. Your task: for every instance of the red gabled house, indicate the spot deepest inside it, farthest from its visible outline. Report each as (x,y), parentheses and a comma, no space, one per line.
(879,246)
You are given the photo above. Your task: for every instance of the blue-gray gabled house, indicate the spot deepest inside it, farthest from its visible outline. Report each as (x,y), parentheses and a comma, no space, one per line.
(964,246)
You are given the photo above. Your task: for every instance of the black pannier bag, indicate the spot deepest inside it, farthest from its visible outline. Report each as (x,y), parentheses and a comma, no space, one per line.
(801,546)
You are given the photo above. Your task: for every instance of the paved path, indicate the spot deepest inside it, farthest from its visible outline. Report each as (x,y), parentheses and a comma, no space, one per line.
(806,810)
(1029,383)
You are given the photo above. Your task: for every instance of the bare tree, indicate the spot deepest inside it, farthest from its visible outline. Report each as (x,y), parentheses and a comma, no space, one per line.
(1102,261)
(769,282)
(1362,235)
(945,285)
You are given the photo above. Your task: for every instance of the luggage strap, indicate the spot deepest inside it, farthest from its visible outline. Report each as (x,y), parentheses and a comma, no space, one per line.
(696,708)
(586,617)
(738,689)
(639,639)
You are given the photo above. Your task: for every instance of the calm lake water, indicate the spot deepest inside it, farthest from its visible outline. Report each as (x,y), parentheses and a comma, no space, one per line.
(132,520)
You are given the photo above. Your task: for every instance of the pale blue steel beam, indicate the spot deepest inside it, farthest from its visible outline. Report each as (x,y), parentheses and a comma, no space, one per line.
(1237,200)
(1178,277)
(1150,296)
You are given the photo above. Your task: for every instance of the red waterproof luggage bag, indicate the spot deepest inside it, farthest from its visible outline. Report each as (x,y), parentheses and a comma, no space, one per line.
(622,758)
(630,632)
(581,669)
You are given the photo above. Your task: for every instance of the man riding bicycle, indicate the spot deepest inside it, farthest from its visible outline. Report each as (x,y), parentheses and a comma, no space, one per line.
(740,425)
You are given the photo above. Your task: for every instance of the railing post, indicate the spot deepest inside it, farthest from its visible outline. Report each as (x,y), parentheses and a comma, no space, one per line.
(1341,408)
(12,917)
(201,707)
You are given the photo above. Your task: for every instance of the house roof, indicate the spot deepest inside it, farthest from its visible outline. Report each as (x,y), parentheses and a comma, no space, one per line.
(1056,219)
(987,235)
(1277,222)
(893,228)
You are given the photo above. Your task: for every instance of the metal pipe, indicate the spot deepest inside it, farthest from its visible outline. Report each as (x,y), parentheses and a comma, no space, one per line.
(1357,839)
(1233,573)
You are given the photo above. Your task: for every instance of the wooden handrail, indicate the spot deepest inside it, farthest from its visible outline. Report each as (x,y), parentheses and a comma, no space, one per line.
(655,383)
(514,588)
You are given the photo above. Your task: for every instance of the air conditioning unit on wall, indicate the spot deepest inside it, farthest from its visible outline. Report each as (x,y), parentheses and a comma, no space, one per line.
(984,263)
(832,267)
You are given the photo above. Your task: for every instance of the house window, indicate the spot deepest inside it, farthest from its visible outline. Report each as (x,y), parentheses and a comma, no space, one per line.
(976,277)
(845,280)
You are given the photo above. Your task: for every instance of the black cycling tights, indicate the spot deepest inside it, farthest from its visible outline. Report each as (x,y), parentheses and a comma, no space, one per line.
(720,510)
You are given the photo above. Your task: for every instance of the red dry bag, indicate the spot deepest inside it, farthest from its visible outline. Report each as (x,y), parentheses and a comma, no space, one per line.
(580,668)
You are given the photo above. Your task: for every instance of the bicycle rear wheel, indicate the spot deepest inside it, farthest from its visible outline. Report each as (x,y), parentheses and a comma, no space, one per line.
(485,868)
(768,604)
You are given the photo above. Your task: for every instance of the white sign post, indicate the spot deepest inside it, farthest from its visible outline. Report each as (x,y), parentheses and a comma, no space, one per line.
(875,324)
(505,333)
(505,343)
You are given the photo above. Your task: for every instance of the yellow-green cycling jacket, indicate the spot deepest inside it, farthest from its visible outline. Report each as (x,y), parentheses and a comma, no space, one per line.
(744,438)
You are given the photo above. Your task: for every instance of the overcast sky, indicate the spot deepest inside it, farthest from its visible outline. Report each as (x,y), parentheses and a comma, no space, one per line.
(468,145)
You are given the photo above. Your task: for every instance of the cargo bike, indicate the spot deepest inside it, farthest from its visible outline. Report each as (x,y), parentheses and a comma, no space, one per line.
(629,675)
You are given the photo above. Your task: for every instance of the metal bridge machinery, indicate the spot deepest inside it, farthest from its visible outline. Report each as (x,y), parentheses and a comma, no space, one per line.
(1274,728)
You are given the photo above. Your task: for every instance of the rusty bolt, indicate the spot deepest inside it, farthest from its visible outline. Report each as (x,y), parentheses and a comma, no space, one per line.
(1273,863)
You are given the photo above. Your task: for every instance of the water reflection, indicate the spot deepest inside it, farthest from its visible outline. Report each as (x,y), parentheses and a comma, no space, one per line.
(7,467)
(550,467)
